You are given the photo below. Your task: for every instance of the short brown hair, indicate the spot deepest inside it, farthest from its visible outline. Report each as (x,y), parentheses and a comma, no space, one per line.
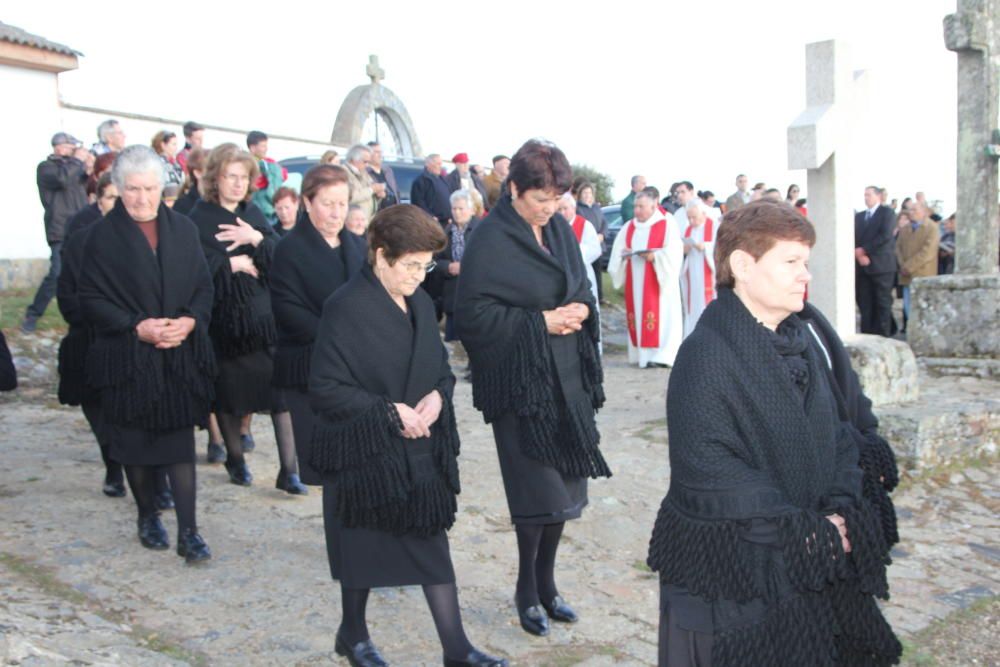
(282,193)
(328,156)
(540,165)
(402,229)
(219,158)
(160,138)
(195,160)
(755,229)
(321,176)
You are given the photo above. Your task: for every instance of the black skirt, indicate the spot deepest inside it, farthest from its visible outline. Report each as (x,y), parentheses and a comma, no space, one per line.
(686,629)
(363,558)
(536,493)
(132,446)
(244,384)
(303,419)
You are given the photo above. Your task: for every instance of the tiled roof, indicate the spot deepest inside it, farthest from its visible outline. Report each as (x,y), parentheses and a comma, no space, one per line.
(14,35)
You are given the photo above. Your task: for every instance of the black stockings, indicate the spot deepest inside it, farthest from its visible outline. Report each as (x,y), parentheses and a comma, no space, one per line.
(143,482)
(230,427)
(286,442)
(112,469)
(443,602)
(536,547)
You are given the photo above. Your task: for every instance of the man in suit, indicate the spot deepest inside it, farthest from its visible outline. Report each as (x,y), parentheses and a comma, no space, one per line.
(875,263)
(741,196)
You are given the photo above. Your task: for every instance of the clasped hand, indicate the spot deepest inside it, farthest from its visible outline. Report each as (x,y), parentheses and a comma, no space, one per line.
(164,332)
(841,525)
(566,319)
(418,420)
(243,264)
(239,234)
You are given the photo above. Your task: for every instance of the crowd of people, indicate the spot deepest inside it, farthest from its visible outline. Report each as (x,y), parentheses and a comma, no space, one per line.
(323,307)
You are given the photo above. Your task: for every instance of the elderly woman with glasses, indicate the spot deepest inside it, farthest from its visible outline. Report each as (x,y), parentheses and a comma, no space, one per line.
(146,291)
(386,439)
(772,541)
(529,322)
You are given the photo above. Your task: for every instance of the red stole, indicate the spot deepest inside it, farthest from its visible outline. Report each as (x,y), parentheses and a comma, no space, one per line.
(709,278)
(578,223)
(650,289)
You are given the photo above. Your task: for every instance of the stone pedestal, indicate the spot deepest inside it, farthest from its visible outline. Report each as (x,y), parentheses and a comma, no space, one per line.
(955,324)
(887,369)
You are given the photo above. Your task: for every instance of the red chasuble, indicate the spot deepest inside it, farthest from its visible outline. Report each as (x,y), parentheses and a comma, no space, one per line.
(578,223)
(708,281)
(650,289)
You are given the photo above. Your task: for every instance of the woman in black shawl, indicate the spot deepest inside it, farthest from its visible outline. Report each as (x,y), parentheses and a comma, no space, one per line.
(527,318)
(239,243)
(769,551)
(146,291)
(194,169)
(316,257)
(385,437)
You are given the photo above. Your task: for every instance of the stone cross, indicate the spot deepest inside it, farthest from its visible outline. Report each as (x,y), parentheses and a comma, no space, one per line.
(374,72)
(974,34)
(819,141)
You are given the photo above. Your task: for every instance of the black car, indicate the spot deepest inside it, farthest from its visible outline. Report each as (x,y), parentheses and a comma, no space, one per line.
(613,214)
(406,172)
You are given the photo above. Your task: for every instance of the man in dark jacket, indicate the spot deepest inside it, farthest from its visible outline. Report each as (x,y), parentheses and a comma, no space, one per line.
(875,264)
(430,191)
(62,180)
(462,177)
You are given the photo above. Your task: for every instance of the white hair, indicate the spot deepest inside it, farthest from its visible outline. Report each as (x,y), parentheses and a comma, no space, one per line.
(698,204)
(136,159)
(356,152)
(461,194)
(105,129)
(568,197)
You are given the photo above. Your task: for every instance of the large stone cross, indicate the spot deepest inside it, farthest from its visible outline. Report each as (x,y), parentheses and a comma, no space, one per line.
(819,141)
(974,34)
(374,72)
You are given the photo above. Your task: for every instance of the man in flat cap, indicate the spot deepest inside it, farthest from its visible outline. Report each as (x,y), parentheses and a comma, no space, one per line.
(62,181)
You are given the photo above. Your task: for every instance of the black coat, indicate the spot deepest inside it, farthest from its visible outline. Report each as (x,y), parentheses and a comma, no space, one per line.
(75,344)
(62,187)
(449,283)
(185,203)
(596,217)
(8,374)
(876,237)
(507,280)
(431,193)
(306,270)
(758,457)
(122,282)
(388,177)
(81,219)
(368,355)
(454,181)
(242,321)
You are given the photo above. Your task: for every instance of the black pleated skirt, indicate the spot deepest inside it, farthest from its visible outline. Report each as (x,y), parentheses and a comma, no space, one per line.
(132,446)
(244,384)
(536,493)
(303,419)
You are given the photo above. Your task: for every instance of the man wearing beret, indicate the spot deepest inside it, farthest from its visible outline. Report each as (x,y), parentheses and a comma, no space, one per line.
(463,179)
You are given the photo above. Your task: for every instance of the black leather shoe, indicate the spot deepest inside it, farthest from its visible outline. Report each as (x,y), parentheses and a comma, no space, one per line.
(362,654)
(476,658)
(534,621)
(216,453)
(291,484)
(239,473)
(246,441)
(558,610)
(152,534)
(191,545)
(164,500)
(113,489)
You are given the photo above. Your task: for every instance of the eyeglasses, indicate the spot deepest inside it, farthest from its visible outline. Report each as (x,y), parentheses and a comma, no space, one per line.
(415,268)
(236,178)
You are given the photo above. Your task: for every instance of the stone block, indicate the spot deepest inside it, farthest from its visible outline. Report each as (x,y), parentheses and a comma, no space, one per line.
(22,273)
(956,316)
(986,369)
(887,369)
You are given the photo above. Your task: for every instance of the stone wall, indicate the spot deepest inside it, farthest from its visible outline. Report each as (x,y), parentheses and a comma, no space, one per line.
(886,368)
(956,316)
(22,273)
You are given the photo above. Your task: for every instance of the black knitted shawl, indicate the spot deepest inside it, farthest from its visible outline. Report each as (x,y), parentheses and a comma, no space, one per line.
(747,451)
(368,355)
(305,271)
(75,344)
(241,314)
(122,282)
(507,280)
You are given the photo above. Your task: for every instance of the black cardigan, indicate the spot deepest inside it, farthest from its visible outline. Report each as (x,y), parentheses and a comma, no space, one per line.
(123,282)
(507,280)
(242,321)
(306,270)
(755,469)
(368,355)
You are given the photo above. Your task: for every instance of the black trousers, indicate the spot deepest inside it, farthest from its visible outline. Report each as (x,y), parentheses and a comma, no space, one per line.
(47,289)
(873,293)
(600,282)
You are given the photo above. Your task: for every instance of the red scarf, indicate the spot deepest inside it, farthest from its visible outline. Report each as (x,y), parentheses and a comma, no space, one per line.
(709,279)
(578,223)
(650,289)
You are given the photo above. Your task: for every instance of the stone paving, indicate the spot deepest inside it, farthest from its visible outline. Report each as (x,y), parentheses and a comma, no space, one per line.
(78,588)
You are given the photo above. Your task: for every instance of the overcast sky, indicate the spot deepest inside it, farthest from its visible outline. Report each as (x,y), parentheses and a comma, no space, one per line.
(695,90)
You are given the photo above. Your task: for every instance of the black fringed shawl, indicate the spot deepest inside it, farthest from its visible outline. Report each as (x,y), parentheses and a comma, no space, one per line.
(507,280)
(367,356)
(241,314)
(75,344)
(306,270)
(755,467)
(123,282)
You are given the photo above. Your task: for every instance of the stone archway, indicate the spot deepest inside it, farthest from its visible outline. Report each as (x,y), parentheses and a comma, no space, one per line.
(375,98)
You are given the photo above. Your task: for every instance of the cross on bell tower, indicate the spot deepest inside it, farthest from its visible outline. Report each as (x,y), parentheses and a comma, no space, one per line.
(374,72)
